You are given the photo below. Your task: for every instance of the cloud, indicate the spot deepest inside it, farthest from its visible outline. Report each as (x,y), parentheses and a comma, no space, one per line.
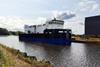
(63,15)
(72,21)
(88,5)
(17,23)
(76,24)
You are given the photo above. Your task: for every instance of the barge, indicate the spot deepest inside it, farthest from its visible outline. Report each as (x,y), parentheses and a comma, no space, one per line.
(50,36)
(51,33)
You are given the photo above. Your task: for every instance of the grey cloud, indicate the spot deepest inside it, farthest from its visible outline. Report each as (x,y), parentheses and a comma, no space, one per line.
(65,16)
(81,23)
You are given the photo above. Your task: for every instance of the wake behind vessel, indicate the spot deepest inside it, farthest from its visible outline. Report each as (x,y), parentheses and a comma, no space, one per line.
(51,32)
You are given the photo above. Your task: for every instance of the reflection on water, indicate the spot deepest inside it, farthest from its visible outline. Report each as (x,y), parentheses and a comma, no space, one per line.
(77,55)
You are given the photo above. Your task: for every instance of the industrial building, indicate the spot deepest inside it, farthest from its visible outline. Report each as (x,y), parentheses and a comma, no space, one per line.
(92,25)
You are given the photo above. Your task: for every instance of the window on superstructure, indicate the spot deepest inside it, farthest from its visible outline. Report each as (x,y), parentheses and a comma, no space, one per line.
(60,31)
(29,32)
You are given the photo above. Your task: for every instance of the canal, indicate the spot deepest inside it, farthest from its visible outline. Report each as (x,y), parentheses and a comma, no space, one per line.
(76,55)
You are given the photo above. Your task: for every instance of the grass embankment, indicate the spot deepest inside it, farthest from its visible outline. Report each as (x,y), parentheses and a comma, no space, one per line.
(86,39)
(14,58)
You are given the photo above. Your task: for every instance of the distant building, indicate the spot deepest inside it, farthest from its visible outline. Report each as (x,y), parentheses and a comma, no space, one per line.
(92,25)
(52,24)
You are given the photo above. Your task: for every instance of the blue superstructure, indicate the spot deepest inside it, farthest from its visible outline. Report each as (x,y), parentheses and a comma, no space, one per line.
(50,36)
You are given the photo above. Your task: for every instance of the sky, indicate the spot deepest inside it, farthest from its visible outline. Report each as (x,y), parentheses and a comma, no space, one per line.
(14,14)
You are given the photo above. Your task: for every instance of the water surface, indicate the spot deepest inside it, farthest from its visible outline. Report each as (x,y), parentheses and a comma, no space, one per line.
(77,55)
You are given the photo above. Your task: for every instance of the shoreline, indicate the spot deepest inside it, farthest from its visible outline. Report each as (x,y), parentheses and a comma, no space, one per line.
(15,58)
(84,39)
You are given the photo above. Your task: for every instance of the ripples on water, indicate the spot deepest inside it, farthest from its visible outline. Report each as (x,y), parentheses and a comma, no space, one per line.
(77,55)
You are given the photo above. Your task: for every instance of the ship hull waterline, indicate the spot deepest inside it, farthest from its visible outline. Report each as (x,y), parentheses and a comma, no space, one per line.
(50,41)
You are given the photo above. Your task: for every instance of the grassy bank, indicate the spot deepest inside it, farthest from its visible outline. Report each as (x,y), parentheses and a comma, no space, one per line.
(83,38)
(10,57)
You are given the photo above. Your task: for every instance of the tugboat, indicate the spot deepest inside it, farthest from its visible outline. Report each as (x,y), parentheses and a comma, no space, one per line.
(51,32)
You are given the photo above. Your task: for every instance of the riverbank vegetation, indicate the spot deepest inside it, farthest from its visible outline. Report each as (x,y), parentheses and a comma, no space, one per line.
(10,57)
(86,38)
(4,31)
